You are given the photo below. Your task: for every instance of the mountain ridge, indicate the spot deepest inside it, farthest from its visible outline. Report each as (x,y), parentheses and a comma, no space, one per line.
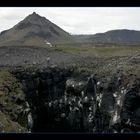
(38,30)
(117,36)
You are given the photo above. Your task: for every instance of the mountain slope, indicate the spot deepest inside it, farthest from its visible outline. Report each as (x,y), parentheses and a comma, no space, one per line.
(123,36)
(34,30)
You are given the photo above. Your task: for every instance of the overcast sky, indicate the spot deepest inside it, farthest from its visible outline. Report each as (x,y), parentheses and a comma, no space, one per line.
(77,20)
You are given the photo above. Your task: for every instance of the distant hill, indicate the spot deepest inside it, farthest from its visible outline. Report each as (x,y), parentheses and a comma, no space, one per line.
(34,30)
(123,36)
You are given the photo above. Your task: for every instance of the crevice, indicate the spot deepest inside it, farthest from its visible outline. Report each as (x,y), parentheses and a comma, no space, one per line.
(57,101)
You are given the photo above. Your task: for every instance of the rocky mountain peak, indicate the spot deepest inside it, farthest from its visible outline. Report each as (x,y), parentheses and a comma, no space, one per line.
(34,17)
(34,30)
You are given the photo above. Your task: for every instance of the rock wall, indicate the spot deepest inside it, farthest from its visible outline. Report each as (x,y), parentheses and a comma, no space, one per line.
(58,101)
(40,87)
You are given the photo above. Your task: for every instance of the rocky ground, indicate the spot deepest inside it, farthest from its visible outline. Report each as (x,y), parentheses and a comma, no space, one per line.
(18,56)
(34,81)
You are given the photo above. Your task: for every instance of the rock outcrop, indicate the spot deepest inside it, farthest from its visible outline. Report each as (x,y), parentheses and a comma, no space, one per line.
(54,100)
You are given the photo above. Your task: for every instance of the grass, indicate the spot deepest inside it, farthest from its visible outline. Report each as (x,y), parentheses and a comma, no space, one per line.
(4,75)
(10,90)
(100,51)
(6,125)
(104,60)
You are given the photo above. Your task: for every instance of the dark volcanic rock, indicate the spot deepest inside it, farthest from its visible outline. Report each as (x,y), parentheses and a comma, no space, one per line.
(54,100)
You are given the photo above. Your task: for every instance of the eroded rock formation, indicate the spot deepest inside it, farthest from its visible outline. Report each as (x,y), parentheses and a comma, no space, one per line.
(54,100)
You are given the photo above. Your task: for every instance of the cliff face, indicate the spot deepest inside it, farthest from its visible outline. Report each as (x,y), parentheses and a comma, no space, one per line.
(54,100)
(24,91)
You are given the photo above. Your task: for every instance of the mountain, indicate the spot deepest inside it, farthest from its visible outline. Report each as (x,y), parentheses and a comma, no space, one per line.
(123,36)
(34,30)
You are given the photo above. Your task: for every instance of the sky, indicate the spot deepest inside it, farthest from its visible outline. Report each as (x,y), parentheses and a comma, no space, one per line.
(77,20)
